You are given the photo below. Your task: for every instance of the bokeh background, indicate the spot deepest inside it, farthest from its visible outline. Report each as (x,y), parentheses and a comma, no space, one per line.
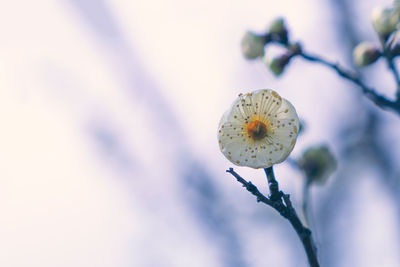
(108,151)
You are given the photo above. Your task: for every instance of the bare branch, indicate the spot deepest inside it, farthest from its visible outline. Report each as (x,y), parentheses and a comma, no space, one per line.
(351,76)
(281,203)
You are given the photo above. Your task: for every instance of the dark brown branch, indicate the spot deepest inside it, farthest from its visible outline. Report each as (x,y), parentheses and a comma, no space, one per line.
(251,188)
(369,92)
(281,203)
(296,50)
(395,73)
(273,184)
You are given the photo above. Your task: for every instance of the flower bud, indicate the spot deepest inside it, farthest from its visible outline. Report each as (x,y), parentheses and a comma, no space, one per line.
(318,163)
(277,64)
(365,54)
(385,20)
(278,31)
(252,45)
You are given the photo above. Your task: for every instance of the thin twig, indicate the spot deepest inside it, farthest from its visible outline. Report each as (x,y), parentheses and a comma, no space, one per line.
(281,203)
(369,92)
(387,53)
(307,208)
(306,193)
(251,188)
(392,67)
(395,73)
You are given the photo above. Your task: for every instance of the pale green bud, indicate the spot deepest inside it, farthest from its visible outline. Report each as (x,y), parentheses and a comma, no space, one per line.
(385,20)
(252,45)
(278,30)
(277,26)
(318,163)
(365,54)
(277,64)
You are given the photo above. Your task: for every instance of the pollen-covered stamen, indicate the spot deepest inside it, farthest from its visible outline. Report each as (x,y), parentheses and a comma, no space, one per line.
(257,130)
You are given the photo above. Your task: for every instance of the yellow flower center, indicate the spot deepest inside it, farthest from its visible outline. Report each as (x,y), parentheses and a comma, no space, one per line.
(257,130)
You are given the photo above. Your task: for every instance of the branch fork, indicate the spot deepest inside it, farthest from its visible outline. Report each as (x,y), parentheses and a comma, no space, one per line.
(281,202)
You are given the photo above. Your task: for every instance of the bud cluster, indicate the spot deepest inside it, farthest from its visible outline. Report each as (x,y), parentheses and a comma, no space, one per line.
(386,23)
(253,46)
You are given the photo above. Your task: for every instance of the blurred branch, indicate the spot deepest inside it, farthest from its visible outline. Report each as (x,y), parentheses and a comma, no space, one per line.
(392,67)
(281,203)
(306,191)
(306,200)
(395,73)
(205,201)
(204,198)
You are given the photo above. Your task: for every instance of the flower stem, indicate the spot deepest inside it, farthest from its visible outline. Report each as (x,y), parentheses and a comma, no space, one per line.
(273,184)
(281,203)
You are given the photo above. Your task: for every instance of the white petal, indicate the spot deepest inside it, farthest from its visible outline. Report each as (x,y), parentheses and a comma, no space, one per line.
(286,125)
(268,101)
(231,138)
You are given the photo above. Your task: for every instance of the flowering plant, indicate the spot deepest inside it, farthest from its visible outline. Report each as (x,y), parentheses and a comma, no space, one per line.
(260,129)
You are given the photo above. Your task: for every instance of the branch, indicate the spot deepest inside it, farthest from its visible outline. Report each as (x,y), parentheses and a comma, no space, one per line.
(251,188)
(273,184)
(392,67)
(281,203)
(369,92)
(395,73)
(306,193)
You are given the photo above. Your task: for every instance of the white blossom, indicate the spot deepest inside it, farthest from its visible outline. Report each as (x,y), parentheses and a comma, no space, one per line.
(259,130)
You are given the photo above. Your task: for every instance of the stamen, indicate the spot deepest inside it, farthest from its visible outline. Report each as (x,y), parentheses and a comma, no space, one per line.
(257,130)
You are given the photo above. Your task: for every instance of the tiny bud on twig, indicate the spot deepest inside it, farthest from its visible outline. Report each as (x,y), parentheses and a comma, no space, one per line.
(317,163)
(385,20)
(365,54)
(252,45)
(277,64)
(278,31)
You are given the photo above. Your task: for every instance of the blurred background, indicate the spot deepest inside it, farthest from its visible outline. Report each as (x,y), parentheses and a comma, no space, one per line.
(108,151)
